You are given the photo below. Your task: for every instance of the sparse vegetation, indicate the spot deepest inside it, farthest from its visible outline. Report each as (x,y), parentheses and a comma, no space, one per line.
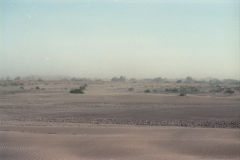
(79,90)
(188,79)
(217,89)
(229,91)
(11,83)
(133,80)
(179,81)
(14,83)
(78,79)
(214,81)
(192,89)
(172,90)
(131,89)
(37,88)
(158,79)
(182,91)
(185,89)
(182,94)
(237,88)
(120,79)
(147,91)
(17,78)
(40,80)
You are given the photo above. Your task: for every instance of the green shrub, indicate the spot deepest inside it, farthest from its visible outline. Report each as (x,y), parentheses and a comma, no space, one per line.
(120,79)
(79,90)
(147,91)
(13,83)
(217,89)
(83,87)
(179,81)
(191,89)
(183,91)
(173,90)
(182,94)
(229,91)
(131,89)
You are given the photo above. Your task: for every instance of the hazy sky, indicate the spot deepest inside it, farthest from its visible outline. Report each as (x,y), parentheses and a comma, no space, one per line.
(106,38)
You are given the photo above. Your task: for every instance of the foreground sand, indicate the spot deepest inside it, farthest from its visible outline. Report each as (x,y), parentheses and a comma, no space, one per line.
(119,142)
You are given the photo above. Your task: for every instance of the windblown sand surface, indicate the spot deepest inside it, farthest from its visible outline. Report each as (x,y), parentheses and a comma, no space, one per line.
(109,122)
(117,142)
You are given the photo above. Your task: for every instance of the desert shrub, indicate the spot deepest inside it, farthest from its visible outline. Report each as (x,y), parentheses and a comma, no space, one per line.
(120,79)
(182,91)
(131,89)
(133,80)
(214,81)
(229,91)
(4,85)
(192,89)
(40,80)
(147,91)
(21,87)
(14,83)
(158,79)
(37,88)
(188,79)
(173,90)
(237,88)
(217,89)
(179,81)
(231,81)
(17,78)
(83,87)
(182,94)
(79,90)
(78,79)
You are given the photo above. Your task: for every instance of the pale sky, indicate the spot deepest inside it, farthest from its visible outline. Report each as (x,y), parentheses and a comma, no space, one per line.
(134,38)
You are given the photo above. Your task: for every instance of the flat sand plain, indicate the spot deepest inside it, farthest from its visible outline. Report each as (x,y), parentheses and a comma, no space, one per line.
(109,122)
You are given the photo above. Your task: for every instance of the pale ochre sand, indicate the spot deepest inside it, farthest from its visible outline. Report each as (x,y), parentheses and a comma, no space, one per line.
(119,142)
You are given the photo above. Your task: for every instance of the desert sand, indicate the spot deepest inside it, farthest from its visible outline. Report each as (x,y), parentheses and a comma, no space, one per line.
(92,142)
(110,122)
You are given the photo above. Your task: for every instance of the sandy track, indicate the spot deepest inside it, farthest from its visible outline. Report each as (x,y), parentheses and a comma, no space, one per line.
(93,142)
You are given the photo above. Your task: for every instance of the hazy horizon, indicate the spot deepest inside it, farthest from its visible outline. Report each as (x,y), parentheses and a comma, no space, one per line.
(108,38)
